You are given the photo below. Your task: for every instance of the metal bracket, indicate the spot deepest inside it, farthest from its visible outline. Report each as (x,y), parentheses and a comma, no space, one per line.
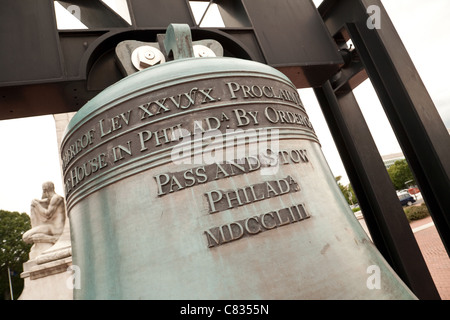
(133,56)
(178,41)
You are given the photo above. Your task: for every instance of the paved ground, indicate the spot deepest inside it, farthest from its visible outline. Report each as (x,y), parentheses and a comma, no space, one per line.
(433,251)
(434,254)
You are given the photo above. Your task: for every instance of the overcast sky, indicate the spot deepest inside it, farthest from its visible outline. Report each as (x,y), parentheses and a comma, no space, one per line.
(29,154)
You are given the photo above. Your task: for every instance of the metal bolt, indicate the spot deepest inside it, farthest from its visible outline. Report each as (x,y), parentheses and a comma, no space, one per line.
(149,55)
(203,51)
(146,56)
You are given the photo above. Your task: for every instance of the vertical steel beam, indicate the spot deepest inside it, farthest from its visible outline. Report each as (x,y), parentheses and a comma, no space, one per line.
(383,213)
(415,121)
(419,128)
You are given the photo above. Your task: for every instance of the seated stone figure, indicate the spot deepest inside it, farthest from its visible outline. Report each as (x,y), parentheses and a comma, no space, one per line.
(47,217)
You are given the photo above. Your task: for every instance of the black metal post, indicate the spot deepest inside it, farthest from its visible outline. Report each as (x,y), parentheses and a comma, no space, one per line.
(419,128)
(382,211)
(414,119)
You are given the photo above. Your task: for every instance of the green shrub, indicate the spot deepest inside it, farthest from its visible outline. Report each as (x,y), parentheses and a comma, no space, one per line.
(417,212)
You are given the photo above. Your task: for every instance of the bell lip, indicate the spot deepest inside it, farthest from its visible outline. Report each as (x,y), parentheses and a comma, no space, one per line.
(168,71)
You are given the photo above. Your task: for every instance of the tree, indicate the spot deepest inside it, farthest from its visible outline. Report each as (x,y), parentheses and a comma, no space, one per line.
(347,191)
(13,251)
(400,173)
(351,195)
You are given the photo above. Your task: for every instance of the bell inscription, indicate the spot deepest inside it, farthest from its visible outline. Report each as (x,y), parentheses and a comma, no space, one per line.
(140,128)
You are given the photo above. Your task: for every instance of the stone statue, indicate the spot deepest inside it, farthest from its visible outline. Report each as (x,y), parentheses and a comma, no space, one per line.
(48,216)
(44,274)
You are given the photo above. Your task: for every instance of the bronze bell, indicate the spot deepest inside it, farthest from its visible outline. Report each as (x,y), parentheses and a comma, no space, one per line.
(203,178)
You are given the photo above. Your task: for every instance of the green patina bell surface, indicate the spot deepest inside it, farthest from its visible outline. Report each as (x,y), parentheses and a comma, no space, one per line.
(203,178)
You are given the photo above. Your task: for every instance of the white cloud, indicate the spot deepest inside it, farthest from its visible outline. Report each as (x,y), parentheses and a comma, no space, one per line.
(423,27)
(29,157)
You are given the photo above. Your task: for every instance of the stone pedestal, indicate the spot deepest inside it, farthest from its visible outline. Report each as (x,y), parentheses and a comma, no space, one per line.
(45,274)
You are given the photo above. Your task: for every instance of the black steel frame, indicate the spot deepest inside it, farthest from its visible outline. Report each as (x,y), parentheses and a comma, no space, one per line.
(45,71)
(418,127)
(69,67)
